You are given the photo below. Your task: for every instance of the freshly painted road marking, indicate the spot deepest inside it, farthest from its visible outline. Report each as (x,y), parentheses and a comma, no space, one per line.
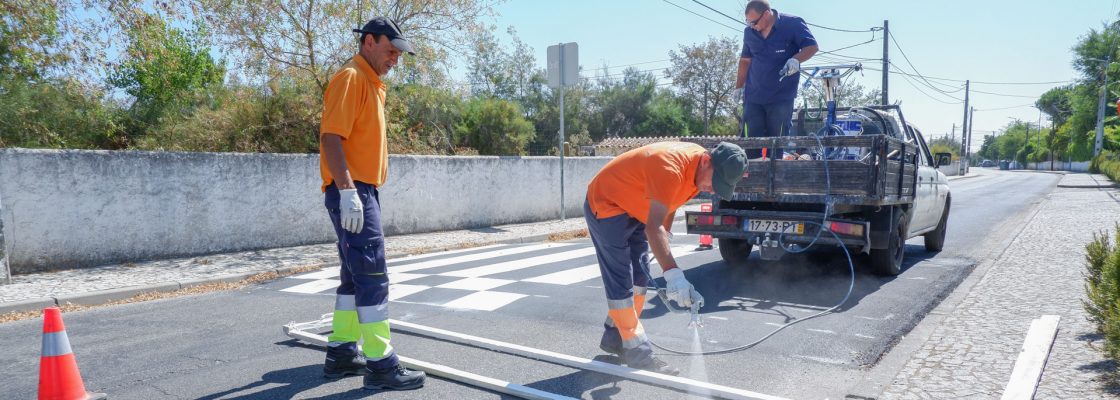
(443,262)
(484,301)
(313,286)
(521,264)
(396,291)
(568,277)
(476,284)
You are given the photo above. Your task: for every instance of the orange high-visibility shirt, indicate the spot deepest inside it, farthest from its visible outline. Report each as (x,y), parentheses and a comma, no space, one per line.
(354,108)
(664,171)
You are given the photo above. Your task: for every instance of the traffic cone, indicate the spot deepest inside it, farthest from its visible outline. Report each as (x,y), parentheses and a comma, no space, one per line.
(59,378)
(705,240)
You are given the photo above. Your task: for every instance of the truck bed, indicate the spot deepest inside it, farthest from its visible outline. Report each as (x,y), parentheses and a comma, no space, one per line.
(885,174)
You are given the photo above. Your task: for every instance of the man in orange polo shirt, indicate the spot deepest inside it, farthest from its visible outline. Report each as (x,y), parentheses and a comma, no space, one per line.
(354,162)
(630,207)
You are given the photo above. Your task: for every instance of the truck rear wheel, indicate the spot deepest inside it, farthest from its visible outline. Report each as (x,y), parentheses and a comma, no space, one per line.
(735,252)
(935,239)
(888,261)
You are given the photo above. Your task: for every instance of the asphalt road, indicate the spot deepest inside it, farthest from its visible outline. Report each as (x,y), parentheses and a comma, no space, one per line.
(229,345)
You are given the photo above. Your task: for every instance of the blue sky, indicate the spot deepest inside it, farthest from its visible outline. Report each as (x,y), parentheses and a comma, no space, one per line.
(989,41)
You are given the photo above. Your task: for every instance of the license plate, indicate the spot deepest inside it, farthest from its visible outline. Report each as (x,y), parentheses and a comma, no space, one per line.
(775,226)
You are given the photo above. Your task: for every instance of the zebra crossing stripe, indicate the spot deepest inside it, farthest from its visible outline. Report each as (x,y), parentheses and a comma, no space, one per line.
(313,286)
(520,264)
(443,262)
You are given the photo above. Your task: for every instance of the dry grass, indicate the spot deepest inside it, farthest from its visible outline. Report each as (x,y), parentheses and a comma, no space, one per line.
(569,235)
(187,291)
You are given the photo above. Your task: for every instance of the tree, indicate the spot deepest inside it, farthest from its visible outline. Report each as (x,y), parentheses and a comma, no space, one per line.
(619,105)
(704,75)
(666,116)
(312,38)
(163,64)
(851,94)
(29,35)
(494,127)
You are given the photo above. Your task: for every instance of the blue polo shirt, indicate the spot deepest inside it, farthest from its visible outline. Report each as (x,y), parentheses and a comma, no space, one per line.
(789,35)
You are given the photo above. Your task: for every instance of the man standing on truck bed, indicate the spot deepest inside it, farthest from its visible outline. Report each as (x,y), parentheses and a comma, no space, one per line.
(629,209)
(774,46)
(354,162)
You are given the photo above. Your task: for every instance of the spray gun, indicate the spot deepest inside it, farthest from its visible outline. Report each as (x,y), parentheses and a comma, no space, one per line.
(697,300)
(693,310)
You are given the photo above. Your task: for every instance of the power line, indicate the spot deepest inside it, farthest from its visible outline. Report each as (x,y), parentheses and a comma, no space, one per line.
(719,12)
(1006,108)
(901,71)
(871,29)
(701,16)
(1005,95)
(851,46)
(910,80)
(907,58)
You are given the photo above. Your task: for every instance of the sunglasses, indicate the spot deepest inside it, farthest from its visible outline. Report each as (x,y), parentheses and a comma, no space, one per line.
(755,22)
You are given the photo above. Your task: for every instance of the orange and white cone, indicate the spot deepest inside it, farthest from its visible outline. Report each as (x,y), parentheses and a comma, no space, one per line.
(705,240)
(59,378)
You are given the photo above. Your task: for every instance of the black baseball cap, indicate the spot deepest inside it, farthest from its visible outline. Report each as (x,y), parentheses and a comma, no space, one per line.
(729,163)
(389,28)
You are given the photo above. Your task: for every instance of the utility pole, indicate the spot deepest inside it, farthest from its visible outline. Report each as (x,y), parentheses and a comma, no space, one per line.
(969,145)
(953,134)
(886,60)
(1098,145)
(964,128)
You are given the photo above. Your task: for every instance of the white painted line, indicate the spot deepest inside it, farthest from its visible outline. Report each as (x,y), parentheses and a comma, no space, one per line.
(314,286)
(417,257)
(717,318)
(475,284)
(676,382)
(825,331)
(1032,361)
(396,277)
(484,301)
(443,262)
(480,381)
(515,265)
(568,277)
(396,291)
(325,273)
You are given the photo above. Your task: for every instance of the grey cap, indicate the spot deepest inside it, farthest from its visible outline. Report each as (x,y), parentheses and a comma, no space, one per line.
(729,162)
(389,28)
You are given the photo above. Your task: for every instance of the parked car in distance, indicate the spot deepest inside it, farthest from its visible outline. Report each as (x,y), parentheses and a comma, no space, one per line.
(987,163)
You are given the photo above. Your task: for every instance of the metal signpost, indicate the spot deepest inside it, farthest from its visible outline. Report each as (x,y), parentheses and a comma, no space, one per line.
(563,71)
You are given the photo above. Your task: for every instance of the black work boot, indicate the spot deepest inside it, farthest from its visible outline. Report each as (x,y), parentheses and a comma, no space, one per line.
(641,357)
(343,360)
(611,342)
(654,364)
(395,378)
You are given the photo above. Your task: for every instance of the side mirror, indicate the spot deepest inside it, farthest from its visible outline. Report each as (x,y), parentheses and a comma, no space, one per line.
(943,159)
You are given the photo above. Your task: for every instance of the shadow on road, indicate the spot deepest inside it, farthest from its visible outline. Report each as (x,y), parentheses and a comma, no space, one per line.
(291,381)
(579,383)
(816,279)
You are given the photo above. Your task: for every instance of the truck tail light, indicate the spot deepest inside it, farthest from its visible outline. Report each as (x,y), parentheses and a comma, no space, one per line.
(844,228)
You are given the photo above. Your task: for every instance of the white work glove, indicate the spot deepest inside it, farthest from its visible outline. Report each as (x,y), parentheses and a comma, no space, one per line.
(678,289)
(791,68)
(697,299)
(350,210)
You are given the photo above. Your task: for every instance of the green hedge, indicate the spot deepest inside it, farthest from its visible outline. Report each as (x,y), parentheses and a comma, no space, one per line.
(1102,287)
(1107,163)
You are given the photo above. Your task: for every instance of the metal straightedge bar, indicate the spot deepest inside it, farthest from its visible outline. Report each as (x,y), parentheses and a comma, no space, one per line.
(310,332)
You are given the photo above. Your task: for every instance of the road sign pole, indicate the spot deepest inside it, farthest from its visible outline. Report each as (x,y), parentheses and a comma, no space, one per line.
(563,83)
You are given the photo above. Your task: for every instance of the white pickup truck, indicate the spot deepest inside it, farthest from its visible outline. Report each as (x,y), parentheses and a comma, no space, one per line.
(875,186)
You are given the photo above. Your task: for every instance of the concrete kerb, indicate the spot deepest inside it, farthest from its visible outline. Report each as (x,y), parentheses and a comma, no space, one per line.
(110,295)
(28,305)
(1108,186)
